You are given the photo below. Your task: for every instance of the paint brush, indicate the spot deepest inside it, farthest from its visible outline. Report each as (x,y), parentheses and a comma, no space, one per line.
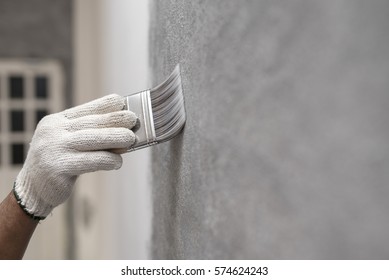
(160,111)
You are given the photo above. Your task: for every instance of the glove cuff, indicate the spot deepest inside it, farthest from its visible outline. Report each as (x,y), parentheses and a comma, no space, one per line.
(30,201)
(23,206)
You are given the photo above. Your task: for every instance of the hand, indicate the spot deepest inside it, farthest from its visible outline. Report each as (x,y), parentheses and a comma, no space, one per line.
(82,139)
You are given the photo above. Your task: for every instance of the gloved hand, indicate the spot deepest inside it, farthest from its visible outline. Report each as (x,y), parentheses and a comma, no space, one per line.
(82,139)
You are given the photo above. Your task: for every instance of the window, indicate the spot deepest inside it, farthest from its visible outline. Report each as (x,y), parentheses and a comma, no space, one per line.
(16,86)
(17,153)
(41,87)
(16,120)
(39,114)
(29,90)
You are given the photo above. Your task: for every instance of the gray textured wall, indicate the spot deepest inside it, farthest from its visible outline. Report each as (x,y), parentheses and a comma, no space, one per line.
(285,151)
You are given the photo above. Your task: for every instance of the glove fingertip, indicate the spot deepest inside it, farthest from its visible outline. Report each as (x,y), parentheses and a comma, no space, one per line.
(118,162)
(131,138)
(128,119)
(115,100)
(133,119)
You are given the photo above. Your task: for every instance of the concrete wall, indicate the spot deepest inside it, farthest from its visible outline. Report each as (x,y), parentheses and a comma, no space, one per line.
(285,151)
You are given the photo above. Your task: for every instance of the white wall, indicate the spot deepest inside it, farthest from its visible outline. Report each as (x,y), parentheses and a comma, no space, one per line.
(113,209)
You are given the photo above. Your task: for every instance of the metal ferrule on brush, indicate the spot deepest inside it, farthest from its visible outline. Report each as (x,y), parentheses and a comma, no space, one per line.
(140,104)
(160,111)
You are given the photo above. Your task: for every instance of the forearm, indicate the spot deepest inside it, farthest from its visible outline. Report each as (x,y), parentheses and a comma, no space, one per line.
(16,229)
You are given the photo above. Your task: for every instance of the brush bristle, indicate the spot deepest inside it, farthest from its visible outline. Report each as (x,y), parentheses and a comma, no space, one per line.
(167,101)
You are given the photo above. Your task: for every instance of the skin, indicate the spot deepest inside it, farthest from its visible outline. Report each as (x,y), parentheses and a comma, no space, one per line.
(16,229)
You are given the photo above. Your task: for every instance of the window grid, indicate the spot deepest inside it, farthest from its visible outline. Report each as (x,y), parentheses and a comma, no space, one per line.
(38,90)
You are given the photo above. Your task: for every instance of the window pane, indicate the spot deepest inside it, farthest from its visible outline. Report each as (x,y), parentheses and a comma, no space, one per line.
(39,114)
(17,153)
(17,120)
(16,87)
(41,87)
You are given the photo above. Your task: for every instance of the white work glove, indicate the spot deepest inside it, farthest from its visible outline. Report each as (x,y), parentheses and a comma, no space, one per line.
(82,139)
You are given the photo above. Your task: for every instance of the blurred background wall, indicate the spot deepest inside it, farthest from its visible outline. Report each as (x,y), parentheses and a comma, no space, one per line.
(112,210)
(32,33)
(101,47)
(39,29)
(285,150)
